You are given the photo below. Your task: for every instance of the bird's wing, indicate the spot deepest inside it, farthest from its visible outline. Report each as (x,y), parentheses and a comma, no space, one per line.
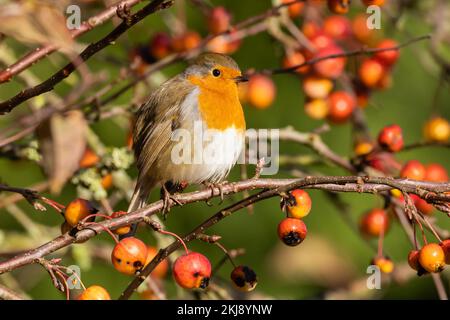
(155,121)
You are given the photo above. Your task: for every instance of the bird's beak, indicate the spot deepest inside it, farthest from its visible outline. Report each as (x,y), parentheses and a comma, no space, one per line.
(241,78)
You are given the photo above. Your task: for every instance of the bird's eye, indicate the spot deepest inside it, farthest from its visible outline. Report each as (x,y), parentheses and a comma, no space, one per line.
(216,72)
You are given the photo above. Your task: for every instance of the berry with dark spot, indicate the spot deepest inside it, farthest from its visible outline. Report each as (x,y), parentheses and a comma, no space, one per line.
(432,257)
(192,270)
(298,203)
(292,231)
(129,255)
(244,278)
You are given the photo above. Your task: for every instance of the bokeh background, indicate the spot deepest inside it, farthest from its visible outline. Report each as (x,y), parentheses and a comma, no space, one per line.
(333,259)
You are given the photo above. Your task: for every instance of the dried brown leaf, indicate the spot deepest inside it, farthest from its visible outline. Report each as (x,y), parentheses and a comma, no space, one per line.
(62,140)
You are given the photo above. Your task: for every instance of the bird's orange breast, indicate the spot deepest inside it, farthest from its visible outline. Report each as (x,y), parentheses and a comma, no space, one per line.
(218,103)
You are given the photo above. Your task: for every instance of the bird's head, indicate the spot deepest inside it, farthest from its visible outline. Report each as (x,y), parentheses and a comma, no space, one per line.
(214,71)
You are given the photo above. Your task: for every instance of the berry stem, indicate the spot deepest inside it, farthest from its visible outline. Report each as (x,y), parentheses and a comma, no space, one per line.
(226,253)
(55,205)
(176,236)
(104,228)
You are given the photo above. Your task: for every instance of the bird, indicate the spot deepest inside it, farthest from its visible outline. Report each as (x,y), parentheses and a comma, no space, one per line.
(201,101)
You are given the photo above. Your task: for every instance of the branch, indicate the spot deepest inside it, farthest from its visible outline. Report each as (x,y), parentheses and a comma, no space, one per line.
(42,52)
(92,49)
(272,186)
(31,196)
(315,142)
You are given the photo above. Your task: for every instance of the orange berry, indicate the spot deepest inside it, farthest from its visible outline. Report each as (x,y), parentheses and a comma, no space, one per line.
(446,247)
(387,57)
(160,45)
(331,67)
(161,270)
(337,27)
(432,257)
(94,293)
(371,72)
(294,59)
(317,87)
(292,231)
(298,204)
(77,210)
(373,2)
(219,20)
(362,33)
(122,230)
(437,129)
(107,181)
(414,170)
(339,6)
(186,41)
(317,108)
(385,264)
(391,138)
(244,278)
(295,9)
(363,147)
(436,173)
(89,159)
(192,270)
(374,222)
(341,105)
(261,91)
(129,255)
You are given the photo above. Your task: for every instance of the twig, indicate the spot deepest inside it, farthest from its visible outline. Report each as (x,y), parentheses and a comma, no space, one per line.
(42,52)
(92,49)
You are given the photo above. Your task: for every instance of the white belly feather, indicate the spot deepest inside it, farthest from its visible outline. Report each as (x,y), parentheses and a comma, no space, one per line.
(208,155)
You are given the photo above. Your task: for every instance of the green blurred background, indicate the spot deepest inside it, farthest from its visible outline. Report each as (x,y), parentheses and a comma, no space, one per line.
(333,254)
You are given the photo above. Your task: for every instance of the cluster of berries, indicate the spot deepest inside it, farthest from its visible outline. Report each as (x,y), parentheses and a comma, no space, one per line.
(292,230)
(130,255)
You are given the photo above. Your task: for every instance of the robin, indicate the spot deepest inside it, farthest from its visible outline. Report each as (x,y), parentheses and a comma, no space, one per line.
(200,102)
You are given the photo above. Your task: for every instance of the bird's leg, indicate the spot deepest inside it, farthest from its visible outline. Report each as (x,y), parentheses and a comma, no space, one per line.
(166,196)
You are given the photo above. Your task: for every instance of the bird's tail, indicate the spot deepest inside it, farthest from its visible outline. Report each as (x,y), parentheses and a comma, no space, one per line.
(138,201)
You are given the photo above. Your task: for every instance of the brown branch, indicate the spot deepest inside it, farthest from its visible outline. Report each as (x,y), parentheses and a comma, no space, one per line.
(92,49)
(315,142)
(31,196)
(42,52)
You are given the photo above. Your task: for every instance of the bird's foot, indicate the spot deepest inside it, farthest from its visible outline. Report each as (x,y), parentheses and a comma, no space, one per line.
(213,186)
(167,198)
